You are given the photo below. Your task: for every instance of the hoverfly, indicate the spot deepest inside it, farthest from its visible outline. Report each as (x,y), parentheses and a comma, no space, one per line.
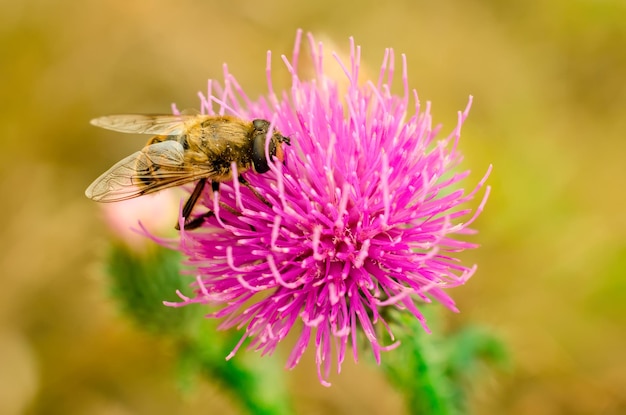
(184,149)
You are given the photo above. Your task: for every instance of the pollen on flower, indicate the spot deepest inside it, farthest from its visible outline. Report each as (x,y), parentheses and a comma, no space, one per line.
(363,215)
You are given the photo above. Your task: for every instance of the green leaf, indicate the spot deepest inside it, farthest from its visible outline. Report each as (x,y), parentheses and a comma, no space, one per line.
(140,282)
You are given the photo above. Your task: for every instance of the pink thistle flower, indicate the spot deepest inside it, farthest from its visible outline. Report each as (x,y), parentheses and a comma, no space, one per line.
(364,215)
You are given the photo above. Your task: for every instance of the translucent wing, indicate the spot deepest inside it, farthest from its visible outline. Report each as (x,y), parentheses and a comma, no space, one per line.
(155,167)
(147,124)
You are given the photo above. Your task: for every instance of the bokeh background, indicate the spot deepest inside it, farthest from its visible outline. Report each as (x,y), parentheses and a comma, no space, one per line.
(549,80)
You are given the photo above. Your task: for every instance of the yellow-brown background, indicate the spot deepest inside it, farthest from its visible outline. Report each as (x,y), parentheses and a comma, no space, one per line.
(549,80)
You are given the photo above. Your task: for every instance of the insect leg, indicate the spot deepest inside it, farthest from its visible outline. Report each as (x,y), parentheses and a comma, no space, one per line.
(199,220)
(196,222)
(215,186)
(253,190)
(191,202)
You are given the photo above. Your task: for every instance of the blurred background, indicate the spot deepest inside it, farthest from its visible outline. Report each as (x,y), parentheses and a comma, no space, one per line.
(549,81)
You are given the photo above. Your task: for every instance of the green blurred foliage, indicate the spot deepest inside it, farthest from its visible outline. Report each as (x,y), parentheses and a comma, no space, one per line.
(550,93)
(140,280)
(436,371)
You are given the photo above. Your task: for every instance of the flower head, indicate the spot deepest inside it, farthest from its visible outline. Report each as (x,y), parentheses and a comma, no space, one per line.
(362,217)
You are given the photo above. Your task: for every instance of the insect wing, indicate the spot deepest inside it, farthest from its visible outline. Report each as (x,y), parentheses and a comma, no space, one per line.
(146,124)
(155,167)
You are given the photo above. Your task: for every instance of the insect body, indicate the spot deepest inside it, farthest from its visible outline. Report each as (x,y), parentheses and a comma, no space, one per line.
(186,148)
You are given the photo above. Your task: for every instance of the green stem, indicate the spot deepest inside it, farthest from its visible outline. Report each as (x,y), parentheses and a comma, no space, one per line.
(258,387)
(432,371)
(140,281)
(417,369)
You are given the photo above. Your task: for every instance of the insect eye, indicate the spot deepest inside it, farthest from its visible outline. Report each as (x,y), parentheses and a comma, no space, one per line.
(258,153)
(260,124)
